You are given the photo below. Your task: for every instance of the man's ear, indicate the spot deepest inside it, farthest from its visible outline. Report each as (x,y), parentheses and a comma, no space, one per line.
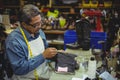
(24,24)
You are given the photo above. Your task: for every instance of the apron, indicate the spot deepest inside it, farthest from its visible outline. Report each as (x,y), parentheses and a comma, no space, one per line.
(37,47)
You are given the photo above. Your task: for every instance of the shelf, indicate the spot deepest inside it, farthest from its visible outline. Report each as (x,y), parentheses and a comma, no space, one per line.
(55,42)
(67,6)
(11,6)
(67,13)
(78,7)
(61,6)
(54,31)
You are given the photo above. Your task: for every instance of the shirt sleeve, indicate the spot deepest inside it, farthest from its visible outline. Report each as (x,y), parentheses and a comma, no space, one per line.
(18,56)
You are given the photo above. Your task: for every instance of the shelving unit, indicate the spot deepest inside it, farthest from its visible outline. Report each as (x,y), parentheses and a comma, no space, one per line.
(65,9)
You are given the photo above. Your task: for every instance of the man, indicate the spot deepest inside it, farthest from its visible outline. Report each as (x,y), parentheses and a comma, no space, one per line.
(26,47)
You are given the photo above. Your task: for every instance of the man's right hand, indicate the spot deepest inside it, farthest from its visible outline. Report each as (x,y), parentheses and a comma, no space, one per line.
(50,52)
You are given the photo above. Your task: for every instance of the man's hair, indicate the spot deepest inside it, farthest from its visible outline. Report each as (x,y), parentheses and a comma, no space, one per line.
(27,12)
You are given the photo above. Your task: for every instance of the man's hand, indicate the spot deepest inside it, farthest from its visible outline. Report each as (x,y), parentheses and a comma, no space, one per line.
(50,52)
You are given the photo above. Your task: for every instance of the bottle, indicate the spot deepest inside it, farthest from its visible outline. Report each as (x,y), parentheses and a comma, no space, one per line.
(92,68)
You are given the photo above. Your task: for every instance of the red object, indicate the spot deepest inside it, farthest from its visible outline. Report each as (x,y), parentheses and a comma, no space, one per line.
(45,10)
(98,14)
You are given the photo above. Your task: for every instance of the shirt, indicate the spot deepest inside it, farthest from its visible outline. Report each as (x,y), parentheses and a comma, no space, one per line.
(17,52)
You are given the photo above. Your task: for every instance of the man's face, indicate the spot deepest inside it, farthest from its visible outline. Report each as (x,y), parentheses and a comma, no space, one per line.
(35,24)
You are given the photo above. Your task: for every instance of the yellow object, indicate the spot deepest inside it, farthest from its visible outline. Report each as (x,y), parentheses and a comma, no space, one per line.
(83,15)
(62,22)
(86,4)
(107,3)
(90,3)
(94,3)
(53,14)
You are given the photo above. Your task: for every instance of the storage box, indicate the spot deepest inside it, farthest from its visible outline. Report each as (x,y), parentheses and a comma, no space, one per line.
(98,34)
(70,36)
(95,37)
(107,4)
(86,4)
(93,3)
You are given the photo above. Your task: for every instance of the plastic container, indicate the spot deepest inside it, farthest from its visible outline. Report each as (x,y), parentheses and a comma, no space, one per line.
(107,4)
(93,3)
(98,34)
(95,37)
(70,36)
(85,4)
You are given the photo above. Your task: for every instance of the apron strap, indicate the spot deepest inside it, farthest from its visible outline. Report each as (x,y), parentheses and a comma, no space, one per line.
(30,51)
